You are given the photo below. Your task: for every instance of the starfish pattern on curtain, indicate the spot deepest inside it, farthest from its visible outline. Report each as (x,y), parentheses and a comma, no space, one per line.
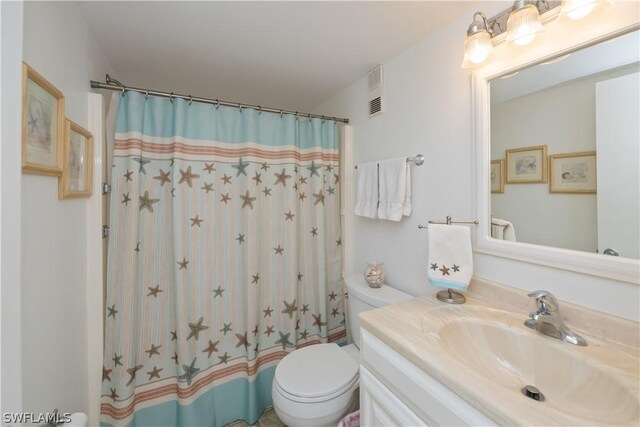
(224,256)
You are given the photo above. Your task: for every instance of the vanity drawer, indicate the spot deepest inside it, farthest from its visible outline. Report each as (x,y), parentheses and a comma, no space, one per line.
(427,398)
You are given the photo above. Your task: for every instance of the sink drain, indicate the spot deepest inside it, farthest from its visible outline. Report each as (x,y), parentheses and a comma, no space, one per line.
(532,392)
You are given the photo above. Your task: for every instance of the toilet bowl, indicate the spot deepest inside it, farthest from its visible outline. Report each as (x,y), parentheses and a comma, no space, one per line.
(318,385)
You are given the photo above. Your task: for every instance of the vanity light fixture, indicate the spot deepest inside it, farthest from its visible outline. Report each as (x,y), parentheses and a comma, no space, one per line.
(524,22)
(519,24)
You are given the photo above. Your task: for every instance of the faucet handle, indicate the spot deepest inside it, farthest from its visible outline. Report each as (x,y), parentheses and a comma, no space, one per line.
(545,301)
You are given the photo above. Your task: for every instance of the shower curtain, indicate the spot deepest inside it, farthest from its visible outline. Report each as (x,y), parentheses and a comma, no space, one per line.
(224,256)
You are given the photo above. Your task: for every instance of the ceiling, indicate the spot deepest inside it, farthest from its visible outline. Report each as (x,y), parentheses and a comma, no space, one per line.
(291,55)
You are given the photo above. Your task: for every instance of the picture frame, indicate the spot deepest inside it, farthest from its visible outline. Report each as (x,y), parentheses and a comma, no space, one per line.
(573,173)
(497,176)
(42,124)
(76,179)
(526,165)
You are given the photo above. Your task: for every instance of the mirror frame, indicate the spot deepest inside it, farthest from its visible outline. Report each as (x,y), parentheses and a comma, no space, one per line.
(558,39)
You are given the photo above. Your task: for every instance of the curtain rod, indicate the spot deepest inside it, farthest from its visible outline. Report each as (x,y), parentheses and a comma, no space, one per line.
(113,84)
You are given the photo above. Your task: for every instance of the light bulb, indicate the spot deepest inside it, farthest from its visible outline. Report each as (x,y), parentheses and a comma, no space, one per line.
(523,25)
(477,47)
(577,9)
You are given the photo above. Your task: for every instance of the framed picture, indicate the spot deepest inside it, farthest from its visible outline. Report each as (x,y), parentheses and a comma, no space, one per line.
(527,165)
(573,173)
(42,124)
(497,176)
(76,179)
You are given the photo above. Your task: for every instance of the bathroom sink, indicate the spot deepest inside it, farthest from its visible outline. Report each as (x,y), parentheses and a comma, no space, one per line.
(498,356)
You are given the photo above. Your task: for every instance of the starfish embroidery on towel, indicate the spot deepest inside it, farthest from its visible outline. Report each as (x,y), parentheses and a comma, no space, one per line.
(163,177)
(153,350)
(319,198)
(208,167)
(132,373)
(242,340)
(290,308)
(444,270)
(112,311)
(196,221)
(224,358)
(146,202)
(226,179)
(116,359)
(154,291)
(226,328)
(183,264)
(284,340)
(187,176)
(456,268)
(207,187)
(155,373)
(189,372)
(281,178)
(434,266)
(142,162)
(317,321)
(257,178)
(106,374)
(212,347)
(247,200)
(196,328)
(218,292)
(241,167)
(313,169)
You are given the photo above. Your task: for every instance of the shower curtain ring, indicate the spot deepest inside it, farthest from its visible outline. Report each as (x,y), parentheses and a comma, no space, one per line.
(240,107)
(309,116)
(217,104)
(259,110)
(190,100)
(281,113)
(171,97)
(146,94)
(296,115)
(123,90)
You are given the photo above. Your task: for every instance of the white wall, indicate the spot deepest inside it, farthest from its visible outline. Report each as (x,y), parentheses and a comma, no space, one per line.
(59,45)
(428,110)
(10,161)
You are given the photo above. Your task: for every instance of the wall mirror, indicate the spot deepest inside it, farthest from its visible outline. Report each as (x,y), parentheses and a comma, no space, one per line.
(557,137)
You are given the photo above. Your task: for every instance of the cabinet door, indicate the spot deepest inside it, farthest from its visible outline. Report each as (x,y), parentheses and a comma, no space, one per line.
(380,407)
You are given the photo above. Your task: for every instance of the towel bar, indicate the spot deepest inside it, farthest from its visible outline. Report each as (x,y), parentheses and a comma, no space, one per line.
(417,160)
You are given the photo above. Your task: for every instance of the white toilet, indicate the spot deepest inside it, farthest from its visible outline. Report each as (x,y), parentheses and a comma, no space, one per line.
(318,385)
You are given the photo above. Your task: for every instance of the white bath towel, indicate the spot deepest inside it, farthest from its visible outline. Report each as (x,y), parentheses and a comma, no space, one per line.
(394,177)
(450,256)
(367,190)
(502,230)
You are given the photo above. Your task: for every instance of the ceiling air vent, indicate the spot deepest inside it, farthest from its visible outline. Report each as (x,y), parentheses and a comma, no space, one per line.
(375,81)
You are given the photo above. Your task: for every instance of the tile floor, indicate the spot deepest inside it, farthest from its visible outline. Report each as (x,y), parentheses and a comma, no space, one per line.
(267,419)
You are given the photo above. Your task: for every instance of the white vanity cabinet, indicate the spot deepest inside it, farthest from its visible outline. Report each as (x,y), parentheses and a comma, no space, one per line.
(395,392)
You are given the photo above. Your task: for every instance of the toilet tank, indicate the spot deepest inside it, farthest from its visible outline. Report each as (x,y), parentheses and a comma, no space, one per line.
(363,298)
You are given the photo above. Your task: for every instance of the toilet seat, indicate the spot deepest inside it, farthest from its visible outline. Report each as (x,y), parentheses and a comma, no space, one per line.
(316,373)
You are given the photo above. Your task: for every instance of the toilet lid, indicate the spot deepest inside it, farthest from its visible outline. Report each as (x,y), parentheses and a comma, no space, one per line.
(316,371)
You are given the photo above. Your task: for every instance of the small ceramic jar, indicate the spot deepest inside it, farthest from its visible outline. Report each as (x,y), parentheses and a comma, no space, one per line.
(373,274)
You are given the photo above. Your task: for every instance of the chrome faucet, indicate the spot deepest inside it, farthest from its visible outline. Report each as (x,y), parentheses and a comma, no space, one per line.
(548,321)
